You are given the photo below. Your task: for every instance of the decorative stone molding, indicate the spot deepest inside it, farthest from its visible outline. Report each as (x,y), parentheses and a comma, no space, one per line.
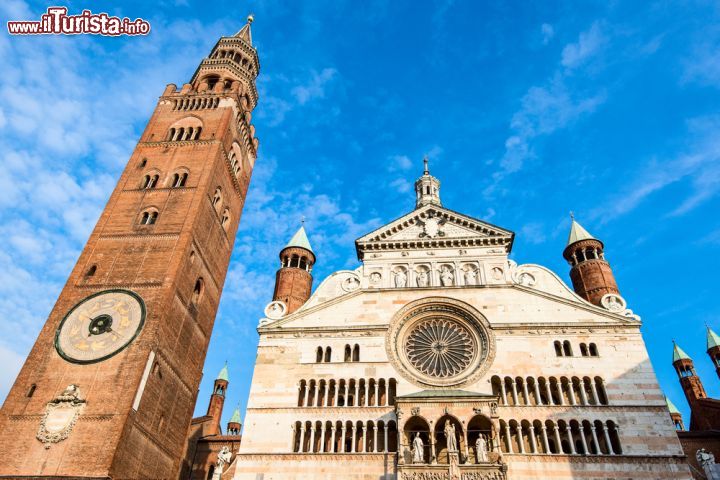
(275,310)
(617,304)
(61,413)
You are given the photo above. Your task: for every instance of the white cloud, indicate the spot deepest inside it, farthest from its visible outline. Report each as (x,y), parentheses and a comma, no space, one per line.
(588,44)
(399,162)
(315,88)
(548,32)
(533,233)
(401,185)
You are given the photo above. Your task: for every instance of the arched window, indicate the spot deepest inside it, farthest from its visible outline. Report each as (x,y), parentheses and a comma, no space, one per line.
(212,80)
(348,353)
(319,355)
(171,135)
(356,353)
(31,390)
(91,271)
(149,181)
(198,290)
(234,163)
(225,221)
(567,349)
(583,350)
(217,198)
(328,354)
(558,348)
(197,133)
(593,350)
(142,163)
(148,217)
(179,179)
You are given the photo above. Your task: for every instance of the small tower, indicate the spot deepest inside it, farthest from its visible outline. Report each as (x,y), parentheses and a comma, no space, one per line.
(217,399)
(591,274)
(427,188)
(690,382)
(235,424)
(713,349)
(293,281)
(675,415)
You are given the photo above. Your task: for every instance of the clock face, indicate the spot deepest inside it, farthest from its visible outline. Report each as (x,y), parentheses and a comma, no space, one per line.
(100,326)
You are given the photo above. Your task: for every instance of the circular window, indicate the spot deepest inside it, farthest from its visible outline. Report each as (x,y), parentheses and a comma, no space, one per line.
(440,342)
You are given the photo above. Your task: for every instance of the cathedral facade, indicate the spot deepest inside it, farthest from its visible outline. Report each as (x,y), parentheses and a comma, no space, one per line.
(441,358)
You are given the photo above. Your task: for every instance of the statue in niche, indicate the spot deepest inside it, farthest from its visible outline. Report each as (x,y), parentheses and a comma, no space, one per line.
(450,436)
(418,447)
(481,449)
(446,276)
(223,459)
(470,276)
(400,278)
(423,279)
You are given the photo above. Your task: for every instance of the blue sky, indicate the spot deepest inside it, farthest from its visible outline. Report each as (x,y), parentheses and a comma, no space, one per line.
(527,110)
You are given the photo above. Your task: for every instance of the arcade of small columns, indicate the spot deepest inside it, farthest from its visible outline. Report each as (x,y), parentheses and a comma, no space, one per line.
(572,437)
(549,391)
(344,437)
(347,393)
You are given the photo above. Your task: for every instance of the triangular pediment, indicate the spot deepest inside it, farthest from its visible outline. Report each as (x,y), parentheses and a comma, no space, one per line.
(434,226)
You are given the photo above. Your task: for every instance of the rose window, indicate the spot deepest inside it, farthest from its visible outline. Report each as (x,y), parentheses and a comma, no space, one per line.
(440,348)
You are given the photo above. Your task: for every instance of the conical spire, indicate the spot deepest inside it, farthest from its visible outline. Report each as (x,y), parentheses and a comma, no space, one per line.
(236,416)
(671,406)
(245,32)
(679,354)
(300,239)
(713,340)
(223,375)
(577,232)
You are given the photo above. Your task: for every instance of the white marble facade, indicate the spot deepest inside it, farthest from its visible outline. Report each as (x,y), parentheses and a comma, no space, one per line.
(564,388)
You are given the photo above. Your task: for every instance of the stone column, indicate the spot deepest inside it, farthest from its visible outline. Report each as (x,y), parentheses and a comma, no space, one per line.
(533,445)
(502,392)
(363,444)
(594,393)
(571,393)
(356,403)
(521,440)
(433,458)
(353,446)
(558,442)
(337,394)
(582,439)
(548,390)
(509,438)
(343,445)
(602,384)
(571,440)
(561,395)
(322,438)
(583,396)
(467,450)
(301,446)
(525,392)
(611,450)
(595,439)
(545,439)
(514,391)
(333,440)
(292,438)
(538,398)
(385,443)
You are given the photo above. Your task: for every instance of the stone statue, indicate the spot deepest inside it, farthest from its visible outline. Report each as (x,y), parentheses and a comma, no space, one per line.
(470,276)
(481,449)
(422,278)
(446,276)
(450,436)
(707,462)
(418,448)
(400,279)
(223,459)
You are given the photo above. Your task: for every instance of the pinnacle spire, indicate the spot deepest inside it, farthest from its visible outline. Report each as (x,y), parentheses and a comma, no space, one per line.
(223,375)
(577,232)
(427,188)
(300,239)
(245,32)
(679,354)
(236,415)
(671,406)
(713,340)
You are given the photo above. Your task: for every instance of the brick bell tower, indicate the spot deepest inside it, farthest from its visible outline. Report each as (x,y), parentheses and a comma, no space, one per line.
(109,387)
(217,399)
(591,274)
(293,281)
(690,382)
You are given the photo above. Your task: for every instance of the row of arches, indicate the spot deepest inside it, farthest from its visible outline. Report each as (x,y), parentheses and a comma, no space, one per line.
(183,134)
(564,349)
(574,437)
(235,57)
(196,103)
(533,391)
(151,179)
(217,204)
(352,392)
(352,354)
(344,436)
(296,261)
(586,253)
(434,440)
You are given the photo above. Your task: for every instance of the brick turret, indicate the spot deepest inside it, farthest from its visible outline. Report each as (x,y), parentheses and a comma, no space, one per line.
(675,415)
(690,382)
(591,274)
(217,399)
(713,349)
(293,281)
(234,426)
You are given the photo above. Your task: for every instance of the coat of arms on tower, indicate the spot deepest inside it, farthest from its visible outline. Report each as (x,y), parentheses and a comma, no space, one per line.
(61,413)
(432,226)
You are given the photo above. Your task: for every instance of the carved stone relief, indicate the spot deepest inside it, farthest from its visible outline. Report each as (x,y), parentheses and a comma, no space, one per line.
(60,416)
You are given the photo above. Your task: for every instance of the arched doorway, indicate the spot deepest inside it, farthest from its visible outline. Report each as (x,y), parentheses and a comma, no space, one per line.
(441,450)
(415,425)
(479,425)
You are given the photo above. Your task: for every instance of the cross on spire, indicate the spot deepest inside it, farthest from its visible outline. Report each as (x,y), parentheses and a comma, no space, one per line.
(427,168)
